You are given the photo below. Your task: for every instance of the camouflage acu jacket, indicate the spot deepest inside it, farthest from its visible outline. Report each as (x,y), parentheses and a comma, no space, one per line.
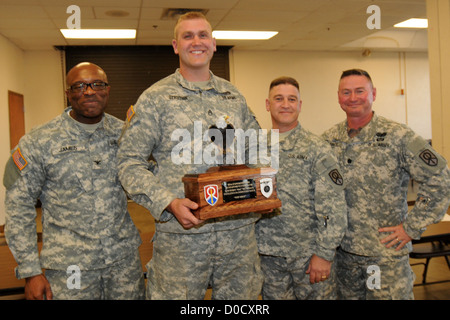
(378,164)
(313,216)
(84,207)
(166,109)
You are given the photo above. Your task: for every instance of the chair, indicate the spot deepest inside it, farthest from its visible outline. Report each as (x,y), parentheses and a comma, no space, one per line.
(430,247)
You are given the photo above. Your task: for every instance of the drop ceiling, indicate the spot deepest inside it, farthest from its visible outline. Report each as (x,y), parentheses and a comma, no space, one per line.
(323,25)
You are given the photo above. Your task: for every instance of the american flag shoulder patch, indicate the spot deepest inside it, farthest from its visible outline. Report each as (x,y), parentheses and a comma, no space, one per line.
(19,160)
(130,113)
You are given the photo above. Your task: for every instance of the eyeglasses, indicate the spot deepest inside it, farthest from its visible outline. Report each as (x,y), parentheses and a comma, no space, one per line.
(82,87)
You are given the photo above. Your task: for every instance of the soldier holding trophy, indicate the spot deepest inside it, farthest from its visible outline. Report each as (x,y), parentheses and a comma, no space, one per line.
(189,253)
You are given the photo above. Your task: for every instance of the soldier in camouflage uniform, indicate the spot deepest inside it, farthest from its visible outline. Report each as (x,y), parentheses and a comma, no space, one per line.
(379,157)
(90,244)
(188,254)
(298,243)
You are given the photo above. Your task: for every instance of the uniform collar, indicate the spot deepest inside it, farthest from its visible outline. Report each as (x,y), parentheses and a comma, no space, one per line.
(290,141)
(212,84)
(367,132)
(73,126)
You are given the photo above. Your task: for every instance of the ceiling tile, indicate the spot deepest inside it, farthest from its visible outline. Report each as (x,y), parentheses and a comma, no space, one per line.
(302,24)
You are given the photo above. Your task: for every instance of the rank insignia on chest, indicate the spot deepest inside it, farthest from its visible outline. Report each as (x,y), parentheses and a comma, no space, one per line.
(19,160)
(381,136)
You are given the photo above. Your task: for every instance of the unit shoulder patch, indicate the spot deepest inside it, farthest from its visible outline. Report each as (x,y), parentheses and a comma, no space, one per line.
(336,177)
(425,155)
(429,158)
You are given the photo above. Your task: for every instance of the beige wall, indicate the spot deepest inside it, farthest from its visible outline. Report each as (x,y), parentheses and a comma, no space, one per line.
(11,78)
(44,88)
(318,74)
(438,12)
(38,77)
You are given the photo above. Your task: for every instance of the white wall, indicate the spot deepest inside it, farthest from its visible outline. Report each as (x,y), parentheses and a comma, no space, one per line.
(318,75)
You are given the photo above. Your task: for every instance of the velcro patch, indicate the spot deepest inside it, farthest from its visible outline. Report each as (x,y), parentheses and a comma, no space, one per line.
(19,160)
(336,177)
(130,113)
(429,158)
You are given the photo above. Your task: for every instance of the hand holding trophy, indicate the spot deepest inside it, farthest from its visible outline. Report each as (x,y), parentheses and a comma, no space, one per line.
(230,189)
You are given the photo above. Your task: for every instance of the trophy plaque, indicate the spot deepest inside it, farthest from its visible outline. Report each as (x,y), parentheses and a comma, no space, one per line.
(232,189)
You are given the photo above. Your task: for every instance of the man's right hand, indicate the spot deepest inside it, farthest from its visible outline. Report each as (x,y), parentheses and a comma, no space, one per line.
(181,209)
(38,288)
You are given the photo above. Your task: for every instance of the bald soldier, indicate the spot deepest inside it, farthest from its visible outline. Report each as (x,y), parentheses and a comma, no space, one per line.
(90,244)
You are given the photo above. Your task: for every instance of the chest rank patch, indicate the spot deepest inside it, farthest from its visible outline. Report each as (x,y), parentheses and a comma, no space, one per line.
(336,177)
(429,158)
(19,160)
(130,113)
(380,136)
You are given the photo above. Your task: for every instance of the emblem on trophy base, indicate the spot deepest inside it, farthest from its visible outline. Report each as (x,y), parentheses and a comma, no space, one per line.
(230,190)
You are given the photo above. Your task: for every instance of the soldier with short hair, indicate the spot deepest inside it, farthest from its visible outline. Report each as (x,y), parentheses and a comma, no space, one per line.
(298,242)
(378,158)
(89,242)
(188,254)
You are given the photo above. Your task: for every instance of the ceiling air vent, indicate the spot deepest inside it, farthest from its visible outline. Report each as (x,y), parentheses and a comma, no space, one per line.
(174,13)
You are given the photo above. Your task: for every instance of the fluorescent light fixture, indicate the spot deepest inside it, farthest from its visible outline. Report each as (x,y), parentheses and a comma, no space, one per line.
(413,23)
(99,33)
(243,35)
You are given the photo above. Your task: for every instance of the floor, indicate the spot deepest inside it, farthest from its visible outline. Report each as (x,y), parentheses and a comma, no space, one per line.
(437,271)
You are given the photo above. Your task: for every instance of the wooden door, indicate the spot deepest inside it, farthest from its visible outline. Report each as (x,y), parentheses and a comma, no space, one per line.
(16,118)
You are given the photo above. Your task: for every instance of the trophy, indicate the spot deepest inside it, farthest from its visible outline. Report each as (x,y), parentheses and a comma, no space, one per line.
(230,189)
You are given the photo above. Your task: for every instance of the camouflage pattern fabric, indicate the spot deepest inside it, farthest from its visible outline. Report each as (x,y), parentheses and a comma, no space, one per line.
(122,281)
(313,216)
(378,164)
(84,208)
(373,278)
(227,260)
(286,279)
(161,111)
(171,105)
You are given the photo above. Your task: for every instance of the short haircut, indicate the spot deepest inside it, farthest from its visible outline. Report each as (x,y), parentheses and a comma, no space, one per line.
(191,15)
(284,80)
(356,72)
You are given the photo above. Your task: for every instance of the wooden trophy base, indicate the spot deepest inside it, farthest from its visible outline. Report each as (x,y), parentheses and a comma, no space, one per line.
(232,189)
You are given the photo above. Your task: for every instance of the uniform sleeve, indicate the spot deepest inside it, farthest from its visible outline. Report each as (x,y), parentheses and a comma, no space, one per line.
(140,135)
(330,205)
(430,171)
(24,178)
